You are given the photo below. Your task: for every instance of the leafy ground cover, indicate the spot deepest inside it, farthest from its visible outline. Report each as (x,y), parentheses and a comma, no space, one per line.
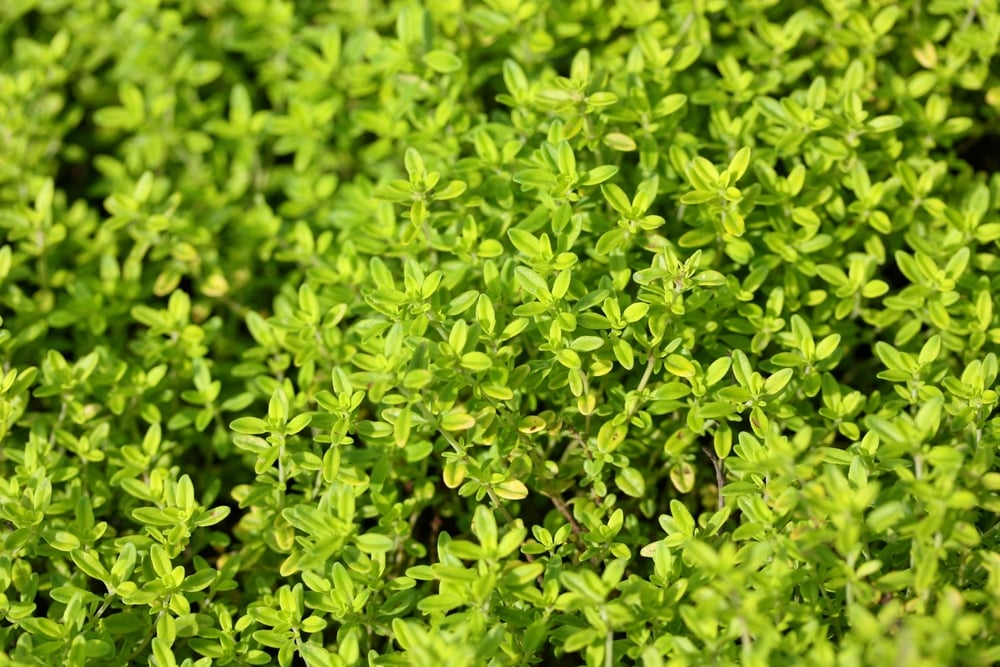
(499,332)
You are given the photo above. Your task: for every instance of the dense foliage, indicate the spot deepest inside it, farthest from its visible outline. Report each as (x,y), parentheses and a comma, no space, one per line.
(499,332)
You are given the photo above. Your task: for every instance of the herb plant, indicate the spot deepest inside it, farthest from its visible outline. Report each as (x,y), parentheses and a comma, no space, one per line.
(499,332)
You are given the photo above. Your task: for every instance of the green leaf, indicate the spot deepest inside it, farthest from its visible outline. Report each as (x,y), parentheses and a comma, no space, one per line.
(43,626)
(617,198)
(454,474)
(697,197)
(211,517)
(775,383)
(635,312)
(682,518)
(670,391)
(587,343)
(372,543)
(803,337)
(511,489)
(63,540)
(277,407)
(124,565)
(893,359)
(476,361)
(162,653)
(457,421)
(584,583)
(623,352)
(717,370)
(631,482)
(669,105)
(826,347)
(401,427)
(414,164)
(90,564)
(602,99)
(443,62)
(514,78)
(315,655)
(532,283)
(930,351)
(565,160)
(620,142)
(486,313)
(885,123)
(703,174)
(524,241)
(679,366)
(598,175)
(738,165)
(928,417)
(569,358)
(452,190)
(161,560)
(682,477)
(484,527)
(249,425)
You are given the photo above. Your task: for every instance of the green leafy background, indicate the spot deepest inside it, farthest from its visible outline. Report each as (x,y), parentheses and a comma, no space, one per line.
(499,333)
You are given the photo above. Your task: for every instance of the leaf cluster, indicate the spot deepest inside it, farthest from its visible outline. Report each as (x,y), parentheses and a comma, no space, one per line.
(499,332)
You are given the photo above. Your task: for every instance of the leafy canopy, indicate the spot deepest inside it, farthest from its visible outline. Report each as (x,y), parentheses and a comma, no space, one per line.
(499,332)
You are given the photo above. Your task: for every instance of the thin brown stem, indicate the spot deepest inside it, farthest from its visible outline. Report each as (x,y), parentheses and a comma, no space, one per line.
(564,510)
(720,477)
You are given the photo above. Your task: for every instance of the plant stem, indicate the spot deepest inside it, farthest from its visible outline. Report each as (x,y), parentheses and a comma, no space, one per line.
(720,477)
(650,362)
